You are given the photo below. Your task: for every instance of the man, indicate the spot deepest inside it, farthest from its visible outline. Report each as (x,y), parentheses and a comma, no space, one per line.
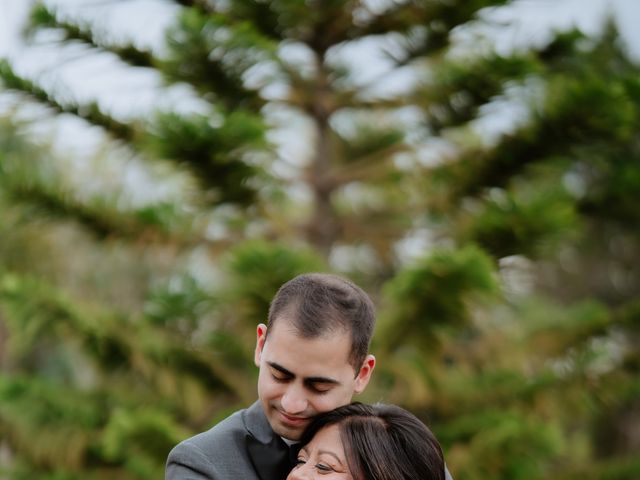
(313,357)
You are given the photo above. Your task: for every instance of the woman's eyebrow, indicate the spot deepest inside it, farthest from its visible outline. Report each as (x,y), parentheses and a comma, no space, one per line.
(332,454)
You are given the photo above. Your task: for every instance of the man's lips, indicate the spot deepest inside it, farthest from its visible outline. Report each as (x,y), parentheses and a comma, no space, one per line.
(292,420)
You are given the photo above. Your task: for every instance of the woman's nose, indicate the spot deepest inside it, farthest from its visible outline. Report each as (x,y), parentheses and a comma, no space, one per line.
(300,473)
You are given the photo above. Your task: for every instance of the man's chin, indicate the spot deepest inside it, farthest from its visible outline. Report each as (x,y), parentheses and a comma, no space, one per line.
(288,427)
(288,431)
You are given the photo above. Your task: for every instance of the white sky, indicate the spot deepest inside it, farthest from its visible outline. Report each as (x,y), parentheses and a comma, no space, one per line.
(530,21)
(87,77)
(530,18)
(140,90)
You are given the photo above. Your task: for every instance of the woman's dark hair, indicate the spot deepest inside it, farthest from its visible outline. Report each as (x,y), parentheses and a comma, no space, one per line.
(383,442)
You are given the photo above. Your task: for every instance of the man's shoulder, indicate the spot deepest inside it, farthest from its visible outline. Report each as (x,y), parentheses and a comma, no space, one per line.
(220,453)
(219,436)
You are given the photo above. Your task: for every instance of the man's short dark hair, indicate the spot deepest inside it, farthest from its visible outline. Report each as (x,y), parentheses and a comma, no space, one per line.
(321,303)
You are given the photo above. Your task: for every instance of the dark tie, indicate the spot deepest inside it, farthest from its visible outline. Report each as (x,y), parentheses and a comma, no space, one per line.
(270,460)
(294,449)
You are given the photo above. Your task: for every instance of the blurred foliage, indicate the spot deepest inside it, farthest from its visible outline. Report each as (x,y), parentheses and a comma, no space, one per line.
(128,308)
(213,152)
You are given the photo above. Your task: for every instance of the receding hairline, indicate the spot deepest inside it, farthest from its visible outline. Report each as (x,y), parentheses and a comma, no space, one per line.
(318,304)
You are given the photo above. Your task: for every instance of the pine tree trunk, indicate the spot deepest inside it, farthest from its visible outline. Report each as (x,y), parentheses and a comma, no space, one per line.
(323,228)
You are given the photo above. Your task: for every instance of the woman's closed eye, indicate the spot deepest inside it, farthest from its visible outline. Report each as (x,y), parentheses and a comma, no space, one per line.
(320,466)
(324,468)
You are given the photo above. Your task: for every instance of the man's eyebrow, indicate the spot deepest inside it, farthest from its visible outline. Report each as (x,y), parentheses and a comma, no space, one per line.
(313,380)
(307,380)
(281,369)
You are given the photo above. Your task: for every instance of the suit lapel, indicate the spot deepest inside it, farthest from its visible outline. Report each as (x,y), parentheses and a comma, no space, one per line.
(267,451)
(271,460)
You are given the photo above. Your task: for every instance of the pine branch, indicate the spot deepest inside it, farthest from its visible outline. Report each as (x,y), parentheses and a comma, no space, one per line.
(437,19)
(90,112)
(36,313)
(102,221)
(214,54)
(204,6)
(461,88)
(580,113)
(214,153)
(43,17)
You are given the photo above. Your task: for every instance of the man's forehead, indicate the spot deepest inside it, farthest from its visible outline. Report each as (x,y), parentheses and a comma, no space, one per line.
(308,356)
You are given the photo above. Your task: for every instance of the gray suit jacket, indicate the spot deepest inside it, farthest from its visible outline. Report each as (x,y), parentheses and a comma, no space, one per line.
(231,450)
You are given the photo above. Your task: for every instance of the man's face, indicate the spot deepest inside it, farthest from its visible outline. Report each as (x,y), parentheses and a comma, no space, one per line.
(301,377)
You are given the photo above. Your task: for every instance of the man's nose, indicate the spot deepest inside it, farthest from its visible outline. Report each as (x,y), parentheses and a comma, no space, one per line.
(294,400)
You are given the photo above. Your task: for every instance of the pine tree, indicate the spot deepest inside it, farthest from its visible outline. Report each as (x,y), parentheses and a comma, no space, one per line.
(540,378)
(127,314)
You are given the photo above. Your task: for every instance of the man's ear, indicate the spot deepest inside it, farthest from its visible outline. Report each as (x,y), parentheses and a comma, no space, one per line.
(364,375)
(261,337)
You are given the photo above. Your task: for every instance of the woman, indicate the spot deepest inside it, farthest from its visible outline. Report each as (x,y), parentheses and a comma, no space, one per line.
(368,442)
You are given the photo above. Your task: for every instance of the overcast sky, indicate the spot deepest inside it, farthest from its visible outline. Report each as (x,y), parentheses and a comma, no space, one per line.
(145,20)
(532,17)
(89,77)
(94,77)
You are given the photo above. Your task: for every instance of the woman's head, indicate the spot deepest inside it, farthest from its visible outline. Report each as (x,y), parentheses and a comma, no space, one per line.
(378,442)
